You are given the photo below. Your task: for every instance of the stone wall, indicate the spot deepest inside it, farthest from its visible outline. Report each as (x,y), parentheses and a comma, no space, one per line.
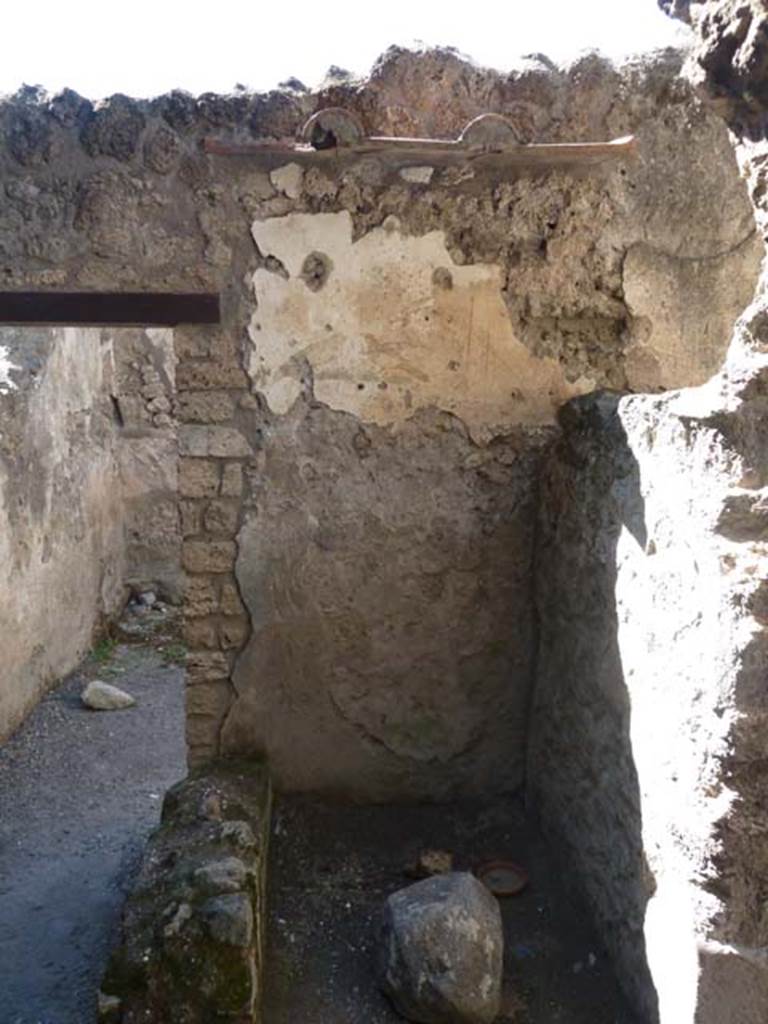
(62,521)
(144,398)
(648,737)
(646,705)
(361,438)
(88,497)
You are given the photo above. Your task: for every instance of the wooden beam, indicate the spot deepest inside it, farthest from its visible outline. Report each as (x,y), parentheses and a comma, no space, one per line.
(438,152)
(105,309)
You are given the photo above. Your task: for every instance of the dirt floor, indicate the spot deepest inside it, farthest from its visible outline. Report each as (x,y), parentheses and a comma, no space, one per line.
(332,867)
(79,791)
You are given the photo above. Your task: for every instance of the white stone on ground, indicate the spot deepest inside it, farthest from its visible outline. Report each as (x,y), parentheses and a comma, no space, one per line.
(101,696)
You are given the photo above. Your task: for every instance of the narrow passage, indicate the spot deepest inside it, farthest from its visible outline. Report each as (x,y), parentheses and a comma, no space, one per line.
(79,792)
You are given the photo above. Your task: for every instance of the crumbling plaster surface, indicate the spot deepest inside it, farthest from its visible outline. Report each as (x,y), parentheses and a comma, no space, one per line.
(61,546)
(346,691)
(395,485)
(392,637)
(395,327)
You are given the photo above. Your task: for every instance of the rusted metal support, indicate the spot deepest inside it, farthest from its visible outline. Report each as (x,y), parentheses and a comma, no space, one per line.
(103,309)
(489,139)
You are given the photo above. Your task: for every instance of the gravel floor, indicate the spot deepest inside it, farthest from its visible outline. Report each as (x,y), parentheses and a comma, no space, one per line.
(79,791)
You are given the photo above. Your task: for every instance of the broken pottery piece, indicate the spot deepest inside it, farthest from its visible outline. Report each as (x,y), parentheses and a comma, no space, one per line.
(101,696)
(503,877)
(108,1008)
(431,862)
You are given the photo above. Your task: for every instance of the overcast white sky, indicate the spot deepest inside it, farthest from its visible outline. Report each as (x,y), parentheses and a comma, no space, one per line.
(144,47)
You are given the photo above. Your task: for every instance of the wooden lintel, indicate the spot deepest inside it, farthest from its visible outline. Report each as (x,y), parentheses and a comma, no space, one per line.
(104,309)
(436,151)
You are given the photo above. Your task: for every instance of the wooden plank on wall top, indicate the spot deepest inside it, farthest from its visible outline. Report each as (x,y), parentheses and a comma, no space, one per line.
(105,309)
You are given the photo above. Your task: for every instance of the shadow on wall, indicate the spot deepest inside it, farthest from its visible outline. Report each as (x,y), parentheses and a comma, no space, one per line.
(583,782)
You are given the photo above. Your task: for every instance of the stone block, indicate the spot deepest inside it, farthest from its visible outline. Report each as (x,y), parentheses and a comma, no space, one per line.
(212,556)
(191,343)
(206,666)
(199,441)
(233,633)
(211,699)
(205,407)
(191,513)
(210,375)
(198,479)
(201,597)
(199,633)
(227,443)
(221,517)
(232,480)
(202,730)
(201,754)
(442,951)
(231,602)
(193,441)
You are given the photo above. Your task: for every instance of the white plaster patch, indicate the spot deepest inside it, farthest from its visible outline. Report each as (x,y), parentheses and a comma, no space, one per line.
(417,175)
(288,179)
(6,366)
(394,326)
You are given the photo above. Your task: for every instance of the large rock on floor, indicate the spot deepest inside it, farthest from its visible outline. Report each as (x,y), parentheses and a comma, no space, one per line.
(192,943)
(442,952)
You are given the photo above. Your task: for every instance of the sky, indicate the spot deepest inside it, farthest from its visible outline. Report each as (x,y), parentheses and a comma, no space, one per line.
(146,47)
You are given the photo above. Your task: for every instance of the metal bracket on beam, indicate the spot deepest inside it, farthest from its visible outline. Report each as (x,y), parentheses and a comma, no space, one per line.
(490,140)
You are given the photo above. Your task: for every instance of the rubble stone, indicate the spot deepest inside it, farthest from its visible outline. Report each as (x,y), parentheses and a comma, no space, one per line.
(443,950)
(101,696)
(191,944)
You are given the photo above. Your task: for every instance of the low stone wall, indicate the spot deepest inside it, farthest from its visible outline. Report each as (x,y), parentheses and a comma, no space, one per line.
(194,925)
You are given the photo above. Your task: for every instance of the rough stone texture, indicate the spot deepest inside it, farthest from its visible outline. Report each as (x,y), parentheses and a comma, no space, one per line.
(416,661)
(442,951)
(647,757)
(193,927)
(144,400)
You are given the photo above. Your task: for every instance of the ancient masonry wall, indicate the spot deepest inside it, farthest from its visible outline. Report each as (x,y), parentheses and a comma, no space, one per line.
(647,757)
(143,395)
(360,440)
(213,394)
(76,474)
(645,754)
